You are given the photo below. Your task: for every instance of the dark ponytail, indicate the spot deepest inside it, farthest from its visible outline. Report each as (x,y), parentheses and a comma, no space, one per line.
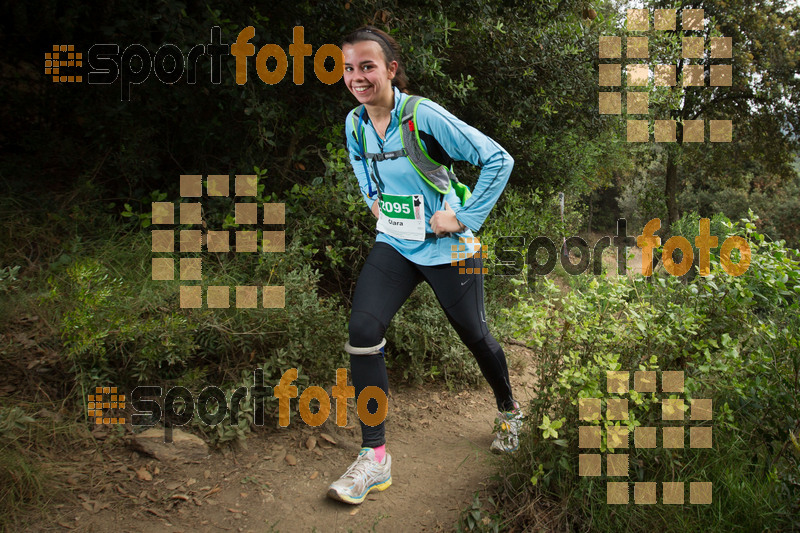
(390,48)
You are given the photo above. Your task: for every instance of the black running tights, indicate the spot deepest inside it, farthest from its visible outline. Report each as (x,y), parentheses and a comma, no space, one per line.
(386,281)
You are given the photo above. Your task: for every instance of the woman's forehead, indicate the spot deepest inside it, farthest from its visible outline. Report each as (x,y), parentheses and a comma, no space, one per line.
(362,51)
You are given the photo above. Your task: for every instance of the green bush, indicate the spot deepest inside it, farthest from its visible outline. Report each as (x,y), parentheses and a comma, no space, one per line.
(21,479)
(732,346)
(117,324)
(777,206)
(109,333)
(531,214)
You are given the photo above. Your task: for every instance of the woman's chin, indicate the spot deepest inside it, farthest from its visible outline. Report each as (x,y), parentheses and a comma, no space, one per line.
(364,97)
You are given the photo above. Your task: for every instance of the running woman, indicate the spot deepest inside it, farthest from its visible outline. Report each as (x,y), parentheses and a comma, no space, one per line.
(417,231)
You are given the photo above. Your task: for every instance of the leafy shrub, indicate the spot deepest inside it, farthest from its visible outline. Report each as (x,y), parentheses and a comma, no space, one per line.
(476,518)
(108,332)
(641,198)
(8,279)
(777,206)
(116,322)
(531,214)
(21,480)
(734,347)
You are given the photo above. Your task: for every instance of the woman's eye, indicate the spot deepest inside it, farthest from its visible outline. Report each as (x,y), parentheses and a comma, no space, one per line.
(348,69)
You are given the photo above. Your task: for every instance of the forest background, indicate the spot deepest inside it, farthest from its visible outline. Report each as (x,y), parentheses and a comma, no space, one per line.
(80,168)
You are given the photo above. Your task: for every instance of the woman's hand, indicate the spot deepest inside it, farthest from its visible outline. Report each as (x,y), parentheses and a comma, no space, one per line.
(443,222)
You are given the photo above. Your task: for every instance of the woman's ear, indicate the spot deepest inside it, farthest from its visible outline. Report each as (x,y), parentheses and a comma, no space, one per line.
(392,69)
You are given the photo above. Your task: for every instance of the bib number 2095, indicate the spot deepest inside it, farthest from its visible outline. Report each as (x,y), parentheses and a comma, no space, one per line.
(402,216)
(397,207)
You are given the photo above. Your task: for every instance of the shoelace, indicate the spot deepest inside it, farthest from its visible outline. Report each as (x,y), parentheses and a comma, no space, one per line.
(360,467)
(511,419)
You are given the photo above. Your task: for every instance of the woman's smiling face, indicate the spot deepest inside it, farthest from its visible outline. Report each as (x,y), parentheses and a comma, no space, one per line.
(366,73)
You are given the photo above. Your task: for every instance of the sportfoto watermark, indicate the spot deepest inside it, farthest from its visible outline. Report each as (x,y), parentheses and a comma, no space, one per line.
(616,426)
(197,239)
(511,261)
(135,64)
(702,60)
(178,406)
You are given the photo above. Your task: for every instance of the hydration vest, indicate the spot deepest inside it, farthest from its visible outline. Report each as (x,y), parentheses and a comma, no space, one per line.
(438,176)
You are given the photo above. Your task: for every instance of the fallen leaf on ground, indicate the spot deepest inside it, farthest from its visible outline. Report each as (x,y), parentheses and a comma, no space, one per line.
(280,455)
(143,474)
(98,506)
(154,512)
(290,459)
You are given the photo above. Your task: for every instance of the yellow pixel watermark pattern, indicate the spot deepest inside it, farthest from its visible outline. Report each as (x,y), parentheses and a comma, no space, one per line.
(617,437)
(105,398)
(638,75)
(54,64)
(458,255)
(194,240)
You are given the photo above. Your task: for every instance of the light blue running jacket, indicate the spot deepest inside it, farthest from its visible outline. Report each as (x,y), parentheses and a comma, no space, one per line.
(462,142)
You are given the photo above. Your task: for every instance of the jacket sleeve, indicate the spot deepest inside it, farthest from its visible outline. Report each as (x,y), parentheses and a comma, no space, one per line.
(356,162)
(465,143)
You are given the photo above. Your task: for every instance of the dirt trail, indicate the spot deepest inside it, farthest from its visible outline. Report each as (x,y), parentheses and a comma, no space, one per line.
(439,442)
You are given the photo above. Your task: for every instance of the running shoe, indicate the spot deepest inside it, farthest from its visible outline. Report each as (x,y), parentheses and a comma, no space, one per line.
(364,475)
(507,427)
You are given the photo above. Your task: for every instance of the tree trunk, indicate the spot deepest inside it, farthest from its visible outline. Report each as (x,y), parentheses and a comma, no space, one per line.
(671,188)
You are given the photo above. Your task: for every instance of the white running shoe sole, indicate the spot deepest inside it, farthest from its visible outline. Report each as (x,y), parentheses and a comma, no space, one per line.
(336,495)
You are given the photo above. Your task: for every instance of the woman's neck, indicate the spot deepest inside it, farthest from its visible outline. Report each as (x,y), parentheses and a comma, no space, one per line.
(380,112)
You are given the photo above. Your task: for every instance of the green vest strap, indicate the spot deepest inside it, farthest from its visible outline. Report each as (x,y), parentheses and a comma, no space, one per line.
(436,175)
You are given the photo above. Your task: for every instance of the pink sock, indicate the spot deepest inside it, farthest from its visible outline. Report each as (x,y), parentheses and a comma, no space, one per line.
(380,452)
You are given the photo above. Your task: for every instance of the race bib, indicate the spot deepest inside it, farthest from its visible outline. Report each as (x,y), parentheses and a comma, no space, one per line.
(402,217)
